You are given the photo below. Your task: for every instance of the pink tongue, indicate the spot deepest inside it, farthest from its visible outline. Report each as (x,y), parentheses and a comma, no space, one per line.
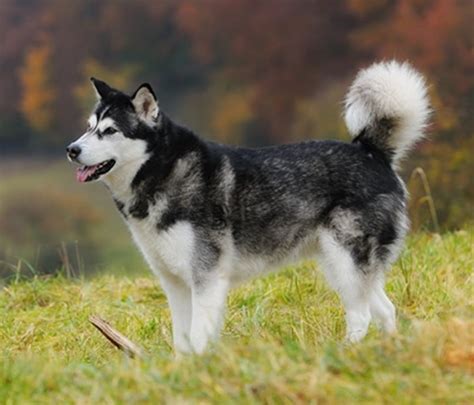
(84,172)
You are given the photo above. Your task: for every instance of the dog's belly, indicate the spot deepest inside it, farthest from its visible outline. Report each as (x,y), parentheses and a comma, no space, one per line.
(175,250)
(248,266)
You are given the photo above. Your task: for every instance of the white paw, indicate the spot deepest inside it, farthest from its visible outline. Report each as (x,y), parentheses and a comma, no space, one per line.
(355,336)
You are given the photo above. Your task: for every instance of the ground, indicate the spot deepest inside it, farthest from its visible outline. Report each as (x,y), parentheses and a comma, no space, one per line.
(282,341)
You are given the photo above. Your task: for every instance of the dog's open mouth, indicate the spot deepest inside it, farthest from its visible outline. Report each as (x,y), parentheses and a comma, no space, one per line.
(89,173)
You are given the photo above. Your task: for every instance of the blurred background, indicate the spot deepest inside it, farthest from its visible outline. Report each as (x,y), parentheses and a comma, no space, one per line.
(237,71)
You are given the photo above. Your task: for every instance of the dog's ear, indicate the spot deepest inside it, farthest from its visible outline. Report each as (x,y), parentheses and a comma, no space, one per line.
(101,88)
(145,103)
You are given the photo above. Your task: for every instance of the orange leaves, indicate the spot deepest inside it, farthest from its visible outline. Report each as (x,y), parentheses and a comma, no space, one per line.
(38,93)
(431,34)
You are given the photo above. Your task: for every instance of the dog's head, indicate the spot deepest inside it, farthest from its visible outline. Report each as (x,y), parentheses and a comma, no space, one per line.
(116,132)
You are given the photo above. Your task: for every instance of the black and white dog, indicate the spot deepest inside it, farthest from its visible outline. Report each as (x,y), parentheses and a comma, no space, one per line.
(208,216)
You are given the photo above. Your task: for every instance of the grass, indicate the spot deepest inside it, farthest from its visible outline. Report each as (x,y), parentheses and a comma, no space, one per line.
(282,341)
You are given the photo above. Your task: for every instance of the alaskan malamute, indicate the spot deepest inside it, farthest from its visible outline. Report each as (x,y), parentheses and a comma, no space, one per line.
(208,216)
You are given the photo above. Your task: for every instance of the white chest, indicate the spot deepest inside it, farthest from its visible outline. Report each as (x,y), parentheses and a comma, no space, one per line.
(171,250)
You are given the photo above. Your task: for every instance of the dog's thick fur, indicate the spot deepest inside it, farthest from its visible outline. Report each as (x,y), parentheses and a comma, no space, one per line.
(208,216)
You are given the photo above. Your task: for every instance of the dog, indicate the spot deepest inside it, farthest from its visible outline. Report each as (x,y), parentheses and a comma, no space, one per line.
(207,217)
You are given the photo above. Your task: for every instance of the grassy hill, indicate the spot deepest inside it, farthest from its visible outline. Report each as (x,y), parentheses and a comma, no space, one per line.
(282,341)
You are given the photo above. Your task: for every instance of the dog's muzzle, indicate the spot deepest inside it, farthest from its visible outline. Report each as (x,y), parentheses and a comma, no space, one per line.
(73,151)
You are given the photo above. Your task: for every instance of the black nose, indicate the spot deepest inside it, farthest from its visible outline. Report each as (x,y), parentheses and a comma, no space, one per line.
(73,151)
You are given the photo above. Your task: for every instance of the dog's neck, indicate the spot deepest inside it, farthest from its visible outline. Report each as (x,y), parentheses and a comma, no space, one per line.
(119,182)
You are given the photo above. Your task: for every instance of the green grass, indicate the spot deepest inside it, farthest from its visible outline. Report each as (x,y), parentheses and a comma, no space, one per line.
(282,341)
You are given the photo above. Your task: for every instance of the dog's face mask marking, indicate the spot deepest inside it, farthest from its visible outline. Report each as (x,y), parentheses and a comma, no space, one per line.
(109,141)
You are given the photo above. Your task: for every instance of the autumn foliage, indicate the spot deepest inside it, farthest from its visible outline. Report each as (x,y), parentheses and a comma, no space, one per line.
(240,71)
(37,88)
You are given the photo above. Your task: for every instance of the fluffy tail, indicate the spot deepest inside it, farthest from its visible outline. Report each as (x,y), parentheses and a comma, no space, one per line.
(387,107)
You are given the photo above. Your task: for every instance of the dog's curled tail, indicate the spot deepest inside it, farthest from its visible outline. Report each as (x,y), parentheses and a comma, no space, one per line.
(387,107)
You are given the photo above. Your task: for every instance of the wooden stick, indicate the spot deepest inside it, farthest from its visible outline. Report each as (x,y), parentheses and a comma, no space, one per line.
(116,338)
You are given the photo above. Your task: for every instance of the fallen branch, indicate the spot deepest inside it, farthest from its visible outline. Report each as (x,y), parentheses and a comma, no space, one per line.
(116,338)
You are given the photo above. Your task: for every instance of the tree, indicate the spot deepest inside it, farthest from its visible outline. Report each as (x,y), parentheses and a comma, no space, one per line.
(38,94)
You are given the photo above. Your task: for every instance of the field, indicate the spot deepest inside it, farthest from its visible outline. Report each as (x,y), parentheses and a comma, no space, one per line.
(282,341)
(64,212)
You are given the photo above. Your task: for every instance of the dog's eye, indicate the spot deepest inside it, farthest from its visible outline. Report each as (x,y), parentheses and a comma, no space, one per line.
(109,131)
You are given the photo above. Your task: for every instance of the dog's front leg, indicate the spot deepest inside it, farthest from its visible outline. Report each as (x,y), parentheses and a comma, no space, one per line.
(179,301)
(208,301)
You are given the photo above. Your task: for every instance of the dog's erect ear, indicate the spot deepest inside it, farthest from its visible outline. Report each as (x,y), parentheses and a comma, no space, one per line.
(101,88)
(145,103)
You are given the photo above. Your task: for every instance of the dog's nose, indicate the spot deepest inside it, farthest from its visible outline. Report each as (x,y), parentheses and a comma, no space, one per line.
(73,151)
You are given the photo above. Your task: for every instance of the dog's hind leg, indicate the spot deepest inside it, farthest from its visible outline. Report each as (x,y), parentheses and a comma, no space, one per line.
(349,282)
(381,308)
(208,301)
(179,300)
